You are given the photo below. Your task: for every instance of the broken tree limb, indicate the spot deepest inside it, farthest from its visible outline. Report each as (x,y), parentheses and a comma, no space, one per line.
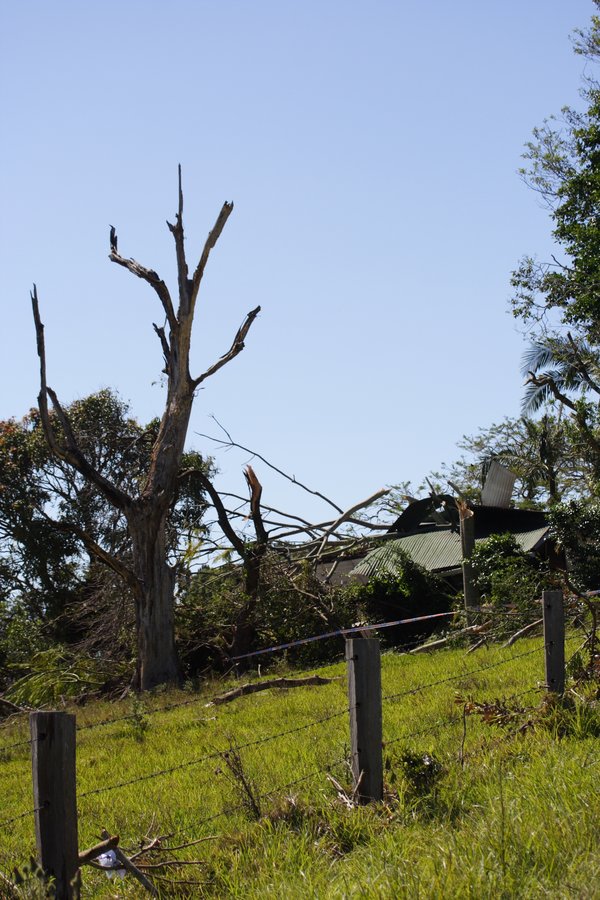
(522,632)
(70,451)
(253,688)
(148,275)
(213,236)
(433,645)
(86,856)
(131,868)
(236,347)
(255,488)
(347,514)
(231,443)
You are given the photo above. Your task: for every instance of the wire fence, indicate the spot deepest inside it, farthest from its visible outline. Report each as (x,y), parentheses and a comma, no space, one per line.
(216,754)
(453,720)
(406,647)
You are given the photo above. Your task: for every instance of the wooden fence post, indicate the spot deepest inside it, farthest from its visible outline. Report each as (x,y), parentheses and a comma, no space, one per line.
(364,698)
(55,800)
(467,545)
(554,640)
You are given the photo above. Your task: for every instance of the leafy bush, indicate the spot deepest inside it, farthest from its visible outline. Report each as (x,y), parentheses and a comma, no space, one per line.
(293,604)
(576,526)
(398,587)
(55,674)
(508,578)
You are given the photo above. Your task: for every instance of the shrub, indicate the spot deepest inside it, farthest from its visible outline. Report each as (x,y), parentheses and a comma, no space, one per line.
(508,578)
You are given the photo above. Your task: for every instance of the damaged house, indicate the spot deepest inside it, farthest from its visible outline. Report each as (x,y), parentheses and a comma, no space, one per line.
(429,531)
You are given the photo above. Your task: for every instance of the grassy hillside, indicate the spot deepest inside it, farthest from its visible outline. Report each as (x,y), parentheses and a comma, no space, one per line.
(473,809)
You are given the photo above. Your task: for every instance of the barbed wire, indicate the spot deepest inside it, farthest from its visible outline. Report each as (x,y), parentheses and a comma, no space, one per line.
(437,726)
(453,719)
(23,815)
(302,641)
(261,796)
(5,747)
(340,632)
(424,687)
(214,755)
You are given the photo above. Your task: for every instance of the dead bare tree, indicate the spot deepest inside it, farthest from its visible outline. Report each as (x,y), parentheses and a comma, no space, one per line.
(150,576)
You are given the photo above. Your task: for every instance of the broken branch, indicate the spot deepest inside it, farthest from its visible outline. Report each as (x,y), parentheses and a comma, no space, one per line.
(147,275)
(236,347)
(254,688)
(131,868)
(86,856)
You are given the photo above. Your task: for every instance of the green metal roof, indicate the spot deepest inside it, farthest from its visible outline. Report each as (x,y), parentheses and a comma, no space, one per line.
(434,550)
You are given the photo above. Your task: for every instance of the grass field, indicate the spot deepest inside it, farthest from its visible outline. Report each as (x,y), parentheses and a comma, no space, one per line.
(472,809)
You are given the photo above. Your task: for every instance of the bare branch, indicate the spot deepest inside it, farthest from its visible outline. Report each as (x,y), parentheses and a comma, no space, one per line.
(185,305)
(86,856)
(349,512)
(211,240)
(236,347)
(236,542)
(522,632)
(148,275)
(231,443)
(71,452)
(131,868)
(255,488)
(165,346)
(548,381)
(94,549)
(254,687)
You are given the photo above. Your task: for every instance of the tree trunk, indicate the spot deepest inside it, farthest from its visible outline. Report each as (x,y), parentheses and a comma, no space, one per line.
(467,541)
(245,629)
(157,657)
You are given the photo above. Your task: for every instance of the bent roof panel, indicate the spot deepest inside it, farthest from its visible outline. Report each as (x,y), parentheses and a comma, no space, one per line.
(440,550)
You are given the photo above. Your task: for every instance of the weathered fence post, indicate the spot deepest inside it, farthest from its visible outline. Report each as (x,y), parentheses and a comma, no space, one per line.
(554,640)
(467,545)
(55,801)
(364,698)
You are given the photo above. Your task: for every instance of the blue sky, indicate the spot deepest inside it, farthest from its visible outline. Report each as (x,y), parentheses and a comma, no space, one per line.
(371,152)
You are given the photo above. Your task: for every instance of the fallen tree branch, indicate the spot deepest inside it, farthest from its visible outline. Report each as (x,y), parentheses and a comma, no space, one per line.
(231,443)
(477,645)
(86,856)
(350,512)
(522,632)
(433,645)
(131,868)
(253,688)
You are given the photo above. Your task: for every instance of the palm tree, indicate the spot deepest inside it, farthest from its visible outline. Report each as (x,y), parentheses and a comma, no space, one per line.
(556,368)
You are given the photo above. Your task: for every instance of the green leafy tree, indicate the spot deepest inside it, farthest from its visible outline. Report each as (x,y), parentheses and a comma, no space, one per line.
(558,300)
(551,461)
(57,529)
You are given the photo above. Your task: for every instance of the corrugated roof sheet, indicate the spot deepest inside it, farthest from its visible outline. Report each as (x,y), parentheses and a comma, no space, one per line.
(498,487)
(434,550)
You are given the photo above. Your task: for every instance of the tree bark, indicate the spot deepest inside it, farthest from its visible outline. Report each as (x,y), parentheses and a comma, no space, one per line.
(157,655)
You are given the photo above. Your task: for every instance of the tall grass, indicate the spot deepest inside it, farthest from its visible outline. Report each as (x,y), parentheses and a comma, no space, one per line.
(502,812)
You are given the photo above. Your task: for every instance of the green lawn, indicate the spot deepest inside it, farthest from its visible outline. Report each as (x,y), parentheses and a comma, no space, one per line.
(505,814)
